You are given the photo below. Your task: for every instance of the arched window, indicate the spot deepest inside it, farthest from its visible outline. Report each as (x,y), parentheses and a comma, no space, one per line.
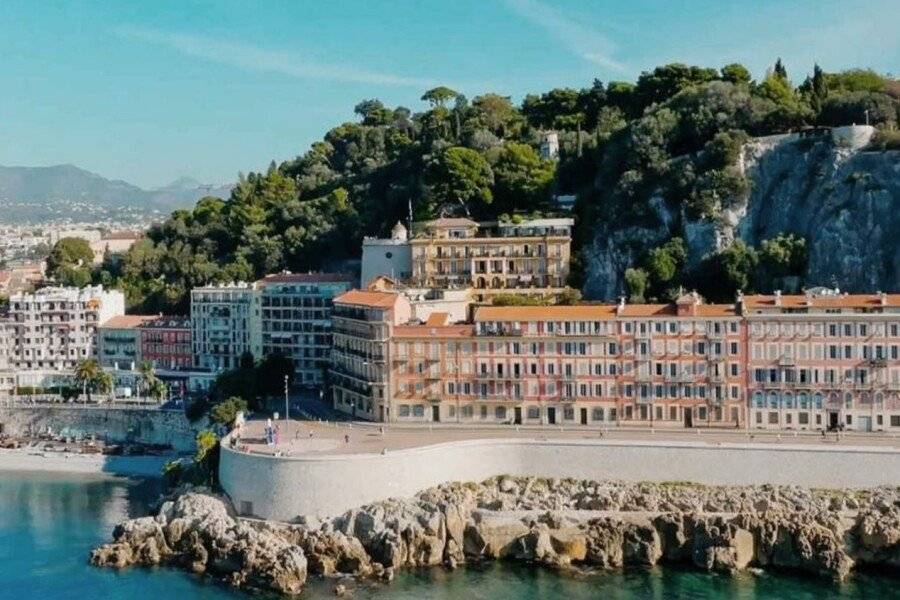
(773,400)
(758,399)
(789,400)
(803,400)
(818,400)
(848,400)
(879,399)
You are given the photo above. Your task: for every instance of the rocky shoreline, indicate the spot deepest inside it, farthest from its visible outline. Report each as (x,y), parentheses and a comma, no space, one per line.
(564,524)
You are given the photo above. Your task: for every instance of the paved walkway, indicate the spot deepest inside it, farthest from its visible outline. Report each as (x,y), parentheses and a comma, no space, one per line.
(296,438)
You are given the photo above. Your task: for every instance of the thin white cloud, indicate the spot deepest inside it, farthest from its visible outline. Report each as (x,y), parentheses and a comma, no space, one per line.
(578,39)
(254,58)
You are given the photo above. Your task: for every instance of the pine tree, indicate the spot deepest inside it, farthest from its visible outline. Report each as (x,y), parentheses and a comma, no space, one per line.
(819,88)
(780,71)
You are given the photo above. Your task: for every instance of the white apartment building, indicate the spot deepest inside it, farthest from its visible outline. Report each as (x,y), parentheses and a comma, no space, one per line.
(51,330)
(7,376)
(225,323)
(296,319)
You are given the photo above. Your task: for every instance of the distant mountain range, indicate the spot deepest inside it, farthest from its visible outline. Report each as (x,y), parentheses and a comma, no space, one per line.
(46,193)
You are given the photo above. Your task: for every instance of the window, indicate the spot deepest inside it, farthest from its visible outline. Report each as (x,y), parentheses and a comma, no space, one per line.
(500,413)
(569,413)
(895,420)
(534,412)
(597,414)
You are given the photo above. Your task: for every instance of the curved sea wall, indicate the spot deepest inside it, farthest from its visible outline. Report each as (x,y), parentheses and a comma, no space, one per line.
(283,488)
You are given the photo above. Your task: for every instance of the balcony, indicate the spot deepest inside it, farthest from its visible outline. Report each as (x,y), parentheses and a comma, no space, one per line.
(787,361)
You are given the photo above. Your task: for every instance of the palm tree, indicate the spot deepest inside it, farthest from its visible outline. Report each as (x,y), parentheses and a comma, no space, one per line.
(158,390)
(88,374)
(149,381)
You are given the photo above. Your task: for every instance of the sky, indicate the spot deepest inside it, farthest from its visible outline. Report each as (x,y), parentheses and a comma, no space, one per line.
(151,91)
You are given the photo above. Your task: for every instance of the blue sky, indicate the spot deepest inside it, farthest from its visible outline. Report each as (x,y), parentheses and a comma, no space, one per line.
(150,91)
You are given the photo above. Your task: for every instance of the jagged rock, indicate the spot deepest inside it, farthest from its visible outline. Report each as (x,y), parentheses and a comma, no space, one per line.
(554,522)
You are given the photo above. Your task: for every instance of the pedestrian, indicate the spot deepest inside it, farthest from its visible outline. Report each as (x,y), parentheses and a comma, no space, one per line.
(310,434)
(269,433)
(277,434)
(346,438)
(381,430)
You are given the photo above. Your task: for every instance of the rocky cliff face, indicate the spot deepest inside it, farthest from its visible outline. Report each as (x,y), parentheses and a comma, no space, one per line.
(566,524)
(845,201)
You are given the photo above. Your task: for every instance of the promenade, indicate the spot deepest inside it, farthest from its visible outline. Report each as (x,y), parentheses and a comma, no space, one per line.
(315,438)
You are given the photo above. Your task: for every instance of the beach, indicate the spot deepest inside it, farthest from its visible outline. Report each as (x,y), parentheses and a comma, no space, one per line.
(68,462)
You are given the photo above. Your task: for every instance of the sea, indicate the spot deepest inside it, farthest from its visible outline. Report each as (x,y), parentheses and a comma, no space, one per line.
(49,522)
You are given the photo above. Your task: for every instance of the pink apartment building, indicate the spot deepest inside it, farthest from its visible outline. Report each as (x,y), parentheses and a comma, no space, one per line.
(820,360)
(823,360)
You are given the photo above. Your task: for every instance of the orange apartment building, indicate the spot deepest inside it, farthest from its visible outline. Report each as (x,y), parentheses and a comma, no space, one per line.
(812,361)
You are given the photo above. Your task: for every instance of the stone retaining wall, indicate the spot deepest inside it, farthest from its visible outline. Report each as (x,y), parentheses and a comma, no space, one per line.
(136,425)
(282,488)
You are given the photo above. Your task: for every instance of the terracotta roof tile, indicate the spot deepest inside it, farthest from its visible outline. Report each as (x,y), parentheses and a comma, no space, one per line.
(427,331)
(821,301)
(368,298)
(594,312)
(438,319)
(127,321)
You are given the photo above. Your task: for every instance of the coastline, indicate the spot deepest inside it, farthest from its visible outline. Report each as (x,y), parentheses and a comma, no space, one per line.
(86,464)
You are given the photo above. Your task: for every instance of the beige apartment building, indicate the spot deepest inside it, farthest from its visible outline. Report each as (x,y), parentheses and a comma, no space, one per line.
(527,257)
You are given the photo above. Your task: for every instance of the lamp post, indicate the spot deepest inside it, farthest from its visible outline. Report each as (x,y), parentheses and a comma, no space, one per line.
(287,407)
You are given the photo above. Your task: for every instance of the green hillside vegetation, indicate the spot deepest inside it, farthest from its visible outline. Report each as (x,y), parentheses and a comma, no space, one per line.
(676,132)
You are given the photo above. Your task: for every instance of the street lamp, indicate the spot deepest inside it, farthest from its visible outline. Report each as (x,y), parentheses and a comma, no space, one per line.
(287,407)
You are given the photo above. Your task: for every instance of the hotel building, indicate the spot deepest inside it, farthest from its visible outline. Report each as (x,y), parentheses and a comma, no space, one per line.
(522,257)
(53,329)
(685,364)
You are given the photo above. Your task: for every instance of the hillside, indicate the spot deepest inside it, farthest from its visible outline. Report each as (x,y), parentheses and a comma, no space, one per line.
(657,166)
(36,194)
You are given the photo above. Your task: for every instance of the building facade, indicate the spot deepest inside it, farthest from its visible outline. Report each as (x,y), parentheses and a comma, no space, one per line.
(53,329)
(296,320)
(823,360)
(165,342)
(225,326)
(362,327)
(389,257)
(684,364)
(528,257)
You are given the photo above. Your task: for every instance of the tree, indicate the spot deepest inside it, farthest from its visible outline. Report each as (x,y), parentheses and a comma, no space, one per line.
(92,378)
(636,281)
(818,88)
(373,113)
(270,374)
(69,259)
(736,73)
(723,274)
(523,180)
(779,69)
(495,112)
(785,255)
(664,82)
(439,96)
(460,176)
(225,412)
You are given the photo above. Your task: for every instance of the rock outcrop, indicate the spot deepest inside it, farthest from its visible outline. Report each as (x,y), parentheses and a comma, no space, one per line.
(830,190)
(562,524)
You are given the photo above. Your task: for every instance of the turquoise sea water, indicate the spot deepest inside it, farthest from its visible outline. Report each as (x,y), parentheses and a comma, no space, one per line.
(49,523)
